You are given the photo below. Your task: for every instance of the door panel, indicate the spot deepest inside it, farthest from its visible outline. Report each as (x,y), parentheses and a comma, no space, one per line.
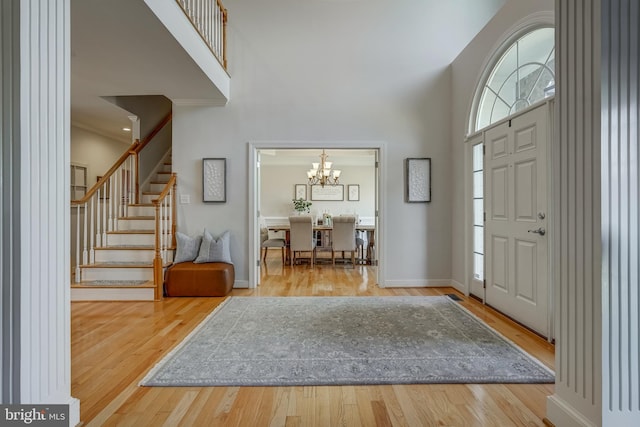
(525,191)
(526,267)
(499,260)
(500,192)
(516,204)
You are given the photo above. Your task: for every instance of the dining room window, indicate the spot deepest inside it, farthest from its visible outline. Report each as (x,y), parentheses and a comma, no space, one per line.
(523,75)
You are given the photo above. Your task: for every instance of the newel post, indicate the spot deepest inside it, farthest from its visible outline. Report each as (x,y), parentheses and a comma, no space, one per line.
(157,260)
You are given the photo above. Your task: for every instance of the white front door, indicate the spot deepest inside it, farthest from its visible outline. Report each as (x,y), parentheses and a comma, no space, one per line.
(516,218)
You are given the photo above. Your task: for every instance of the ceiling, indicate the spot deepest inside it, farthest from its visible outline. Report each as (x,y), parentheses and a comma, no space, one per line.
(119,47)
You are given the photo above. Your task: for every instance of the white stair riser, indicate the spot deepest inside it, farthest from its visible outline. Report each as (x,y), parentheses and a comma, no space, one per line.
(139,224)
(116,273)
(162,177)
(130,239)
(142,210)
(165,168)
(148,198)
(129,255)
(156,187)
(112,294)
(124,255)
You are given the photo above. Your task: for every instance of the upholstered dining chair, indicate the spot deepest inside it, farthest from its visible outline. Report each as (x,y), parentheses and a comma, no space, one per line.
(274,242)
(301,238)
(343,237)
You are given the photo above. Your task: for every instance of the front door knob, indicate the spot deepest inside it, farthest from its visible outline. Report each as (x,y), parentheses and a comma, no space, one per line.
(541,231)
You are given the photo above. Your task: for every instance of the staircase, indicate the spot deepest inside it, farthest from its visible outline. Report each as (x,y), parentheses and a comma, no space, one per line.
(123,265)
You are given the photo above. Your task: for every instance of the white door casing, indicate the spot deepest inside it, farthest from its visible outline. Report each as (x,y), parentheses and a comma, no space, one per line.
(516,243)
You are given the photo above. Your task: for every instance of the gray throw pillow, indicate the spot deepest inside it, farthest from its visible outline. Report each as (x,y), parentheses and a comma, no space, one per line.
(187,248)
(214,250)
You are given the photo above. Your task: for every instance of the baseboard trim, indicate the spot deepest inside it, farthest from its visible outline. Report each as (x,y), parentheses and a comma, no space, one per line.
(560,413)
(418,283)
(241,284)
(459,287)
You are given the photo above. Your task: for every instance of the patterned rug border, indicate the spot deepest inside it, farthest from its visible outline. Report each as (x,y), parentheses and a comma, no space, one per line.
(148,378)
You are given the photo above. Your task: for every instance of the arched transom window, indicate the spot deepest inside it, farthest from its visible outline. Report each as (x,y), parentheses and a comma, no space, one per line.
(524,75)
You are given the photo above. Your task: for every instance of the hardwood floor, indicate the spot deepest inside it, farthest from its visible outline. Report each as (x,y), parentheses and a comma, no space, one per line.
(114,344)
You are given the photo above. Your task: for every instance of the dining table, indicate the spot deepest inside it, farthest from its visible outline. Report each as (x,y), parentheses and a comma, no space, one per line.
(370,231)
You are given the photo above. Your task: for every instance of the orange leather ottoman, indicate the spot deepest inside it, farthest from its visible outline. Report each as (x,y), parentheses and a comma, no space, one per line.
(186,279)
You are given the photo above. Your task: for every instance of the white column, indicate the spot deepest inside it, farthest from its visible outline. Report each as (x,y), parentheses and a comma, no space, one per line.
(135,127)
(45,362)
(597,214)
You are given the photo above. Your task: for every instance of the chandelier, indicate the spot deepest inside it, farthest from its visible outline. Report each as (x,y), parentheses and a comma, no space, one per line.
(321,173)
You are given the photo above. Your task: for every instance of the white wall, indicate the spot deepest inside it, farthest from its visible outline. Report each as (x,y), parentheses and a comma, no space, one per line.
(277,184)
(96,151)
(307,71)
(466,70)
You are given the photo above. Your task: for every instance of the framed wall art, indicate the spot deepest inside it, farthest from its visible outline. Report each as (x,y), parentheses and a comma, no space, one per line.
(353,192)
(214,180)
(300,192)
(328,192)
(417,180)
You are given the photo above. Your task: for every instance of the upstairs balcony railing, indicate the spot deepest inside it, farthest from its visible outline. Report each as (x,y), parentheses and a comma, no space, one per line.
(209,18)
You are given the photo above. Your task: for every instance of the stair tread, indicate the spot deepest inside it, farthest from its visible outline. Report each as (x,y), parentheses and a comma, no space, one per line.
(141,205)
(125,247)
(137,217)
(119,264)
(131,232)
(114,284)
(150,193)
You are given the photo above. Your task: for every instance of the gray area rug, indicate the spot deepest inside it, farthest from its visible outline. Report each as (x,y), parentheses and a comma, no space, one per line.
(286,341)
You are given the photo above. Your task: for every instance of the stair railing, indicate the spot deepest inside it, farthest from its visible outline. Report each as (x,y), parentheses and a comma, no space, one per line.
(165,213)
(98,211)
(141,146)
(209,18)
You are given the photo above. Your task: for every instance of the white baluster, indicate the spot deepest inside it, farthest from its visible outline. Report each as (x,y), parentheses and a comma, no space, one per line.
(118,200)
(132,180)
(110,205)
(98,233)
(104,215)
(78,244)
(124,185)
(92,253)
(85,252)
(214,45)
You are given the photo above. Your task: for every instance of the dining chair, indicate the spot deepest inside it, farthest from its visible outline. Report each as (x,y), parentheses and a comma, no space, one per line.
(343,238)
(273,242)
(301,237)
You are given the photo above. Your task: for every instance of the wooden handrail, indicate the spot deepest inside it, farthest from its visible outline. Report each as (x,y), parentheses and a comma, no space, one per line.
(134,149)
(165,190)
(107,175)
(161,124)
(158,260)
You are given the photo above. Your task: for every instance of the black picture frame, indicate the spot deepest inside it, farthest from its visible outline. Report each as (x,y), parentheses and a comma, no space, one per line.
(214,180)
(418,180)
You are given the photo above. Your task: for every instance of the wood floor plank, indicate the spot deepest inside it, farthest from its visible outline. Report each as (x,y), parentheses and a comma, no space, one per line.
(114,344)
